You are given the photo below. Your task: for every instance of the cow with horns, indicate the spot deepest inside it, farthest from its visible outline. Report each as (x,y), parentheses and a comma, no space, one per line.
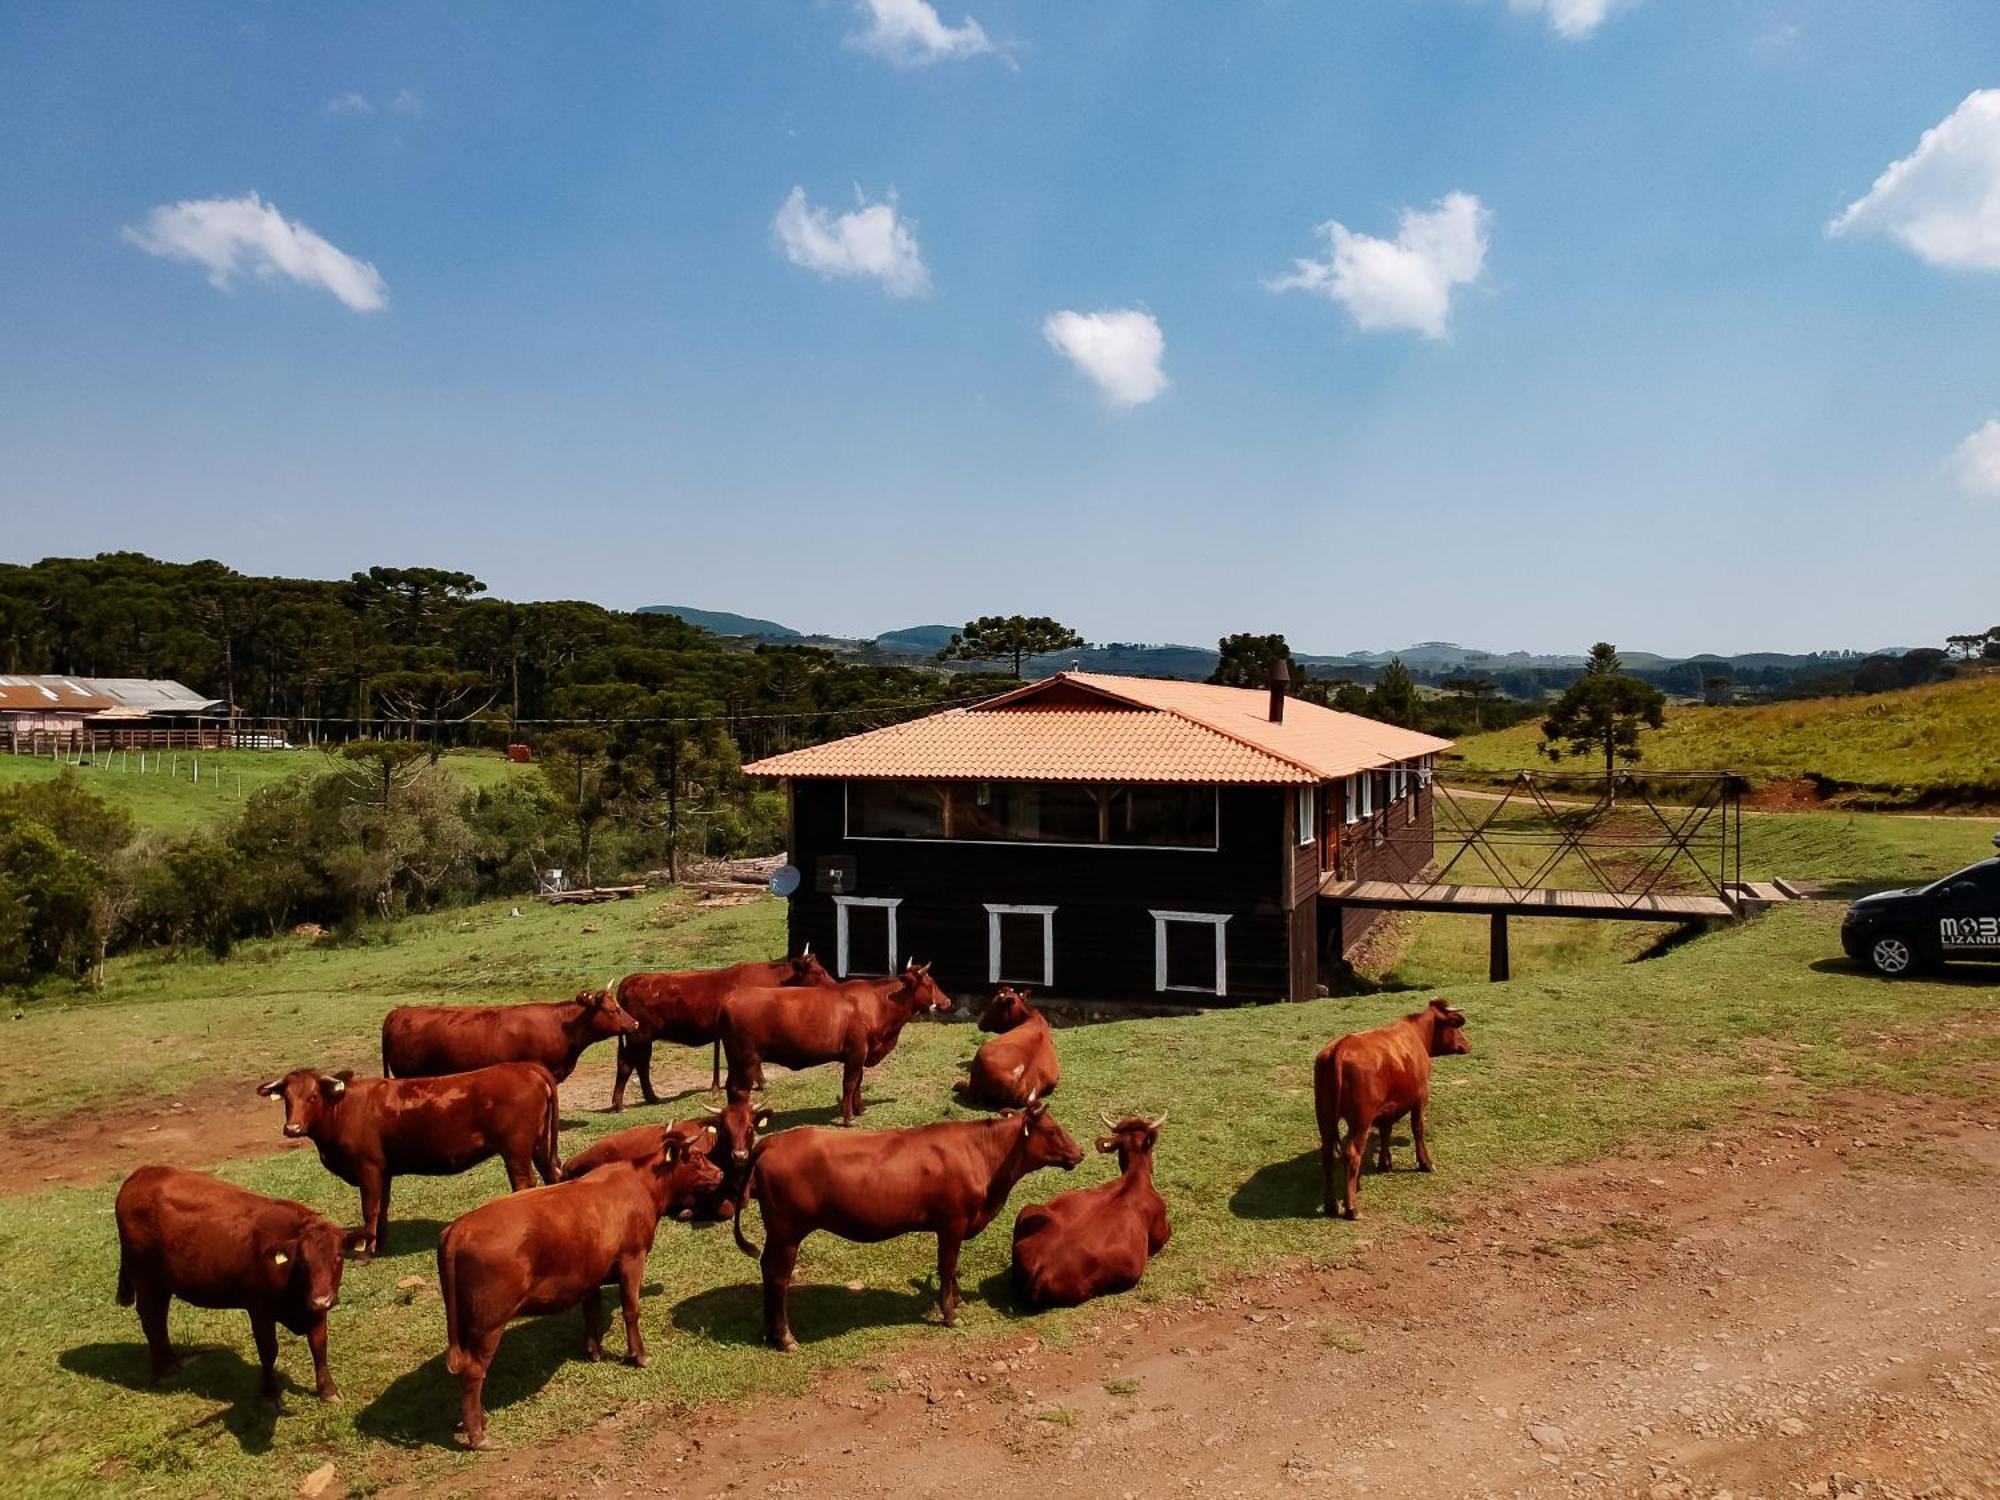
(1095,1241)
(424,1041)
(736,1127)
(685,1008)
(370,1131)
(1369,1080)
(855,1023)
(1019,1063)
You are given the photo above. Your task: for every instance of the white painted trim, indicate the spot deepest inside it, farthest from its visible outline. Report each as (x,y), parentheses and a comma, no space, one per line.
(848,834)
(994,912)
(1305,816)
(1217,920)
(840,906)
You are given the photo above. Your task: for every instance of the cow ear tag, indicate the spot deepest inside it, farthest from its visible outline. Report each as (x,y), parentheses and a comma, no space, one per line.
(278,1257)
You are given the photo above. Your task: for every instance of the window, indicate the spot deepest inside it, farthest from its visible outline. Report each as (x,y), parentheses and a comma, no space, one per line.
(1360,796)
(1306,816)
(865,935)
(1175,817)
(1020,945)
(1190,952)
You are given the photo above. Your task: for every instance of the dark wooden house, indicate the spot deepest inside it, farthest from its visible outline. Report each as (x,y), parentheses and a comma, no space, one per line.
(1105,837)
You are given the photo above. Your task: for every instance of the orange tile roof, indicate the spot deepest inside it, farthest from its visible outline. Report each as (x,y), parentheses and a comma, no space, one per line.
(1148,730)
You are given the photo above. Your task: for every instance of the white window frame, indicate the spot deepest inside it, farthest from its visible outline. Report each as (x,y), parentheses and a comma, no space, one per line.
(1306,816)
(994,912)
(1216,920)
(1360,796)
(841,906)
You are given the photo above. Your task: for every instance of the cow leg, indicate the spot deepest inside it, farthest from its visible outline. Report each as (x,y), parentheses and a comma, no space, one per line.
(593,1324)
(322,1377)
(1382,1132)
(948,1293)
(779,1261)
(474,1363)
(1352,1150)
(521,1169)
(850,1091)
(631,1272)
(153,1323)
(1417,1135)
(373,1191)
(264,1329)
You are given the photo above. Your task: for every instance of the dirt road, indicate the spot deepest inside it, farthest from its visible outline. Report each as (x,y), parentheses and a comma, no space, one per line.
(1789,1311)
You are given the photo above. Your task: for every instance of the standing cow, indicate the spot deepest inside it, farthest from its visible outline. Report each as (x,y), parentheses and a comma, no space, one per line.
(684,1008)
(948,1179)
(553,1248)
(855,1023)
(1095,1241)
(736,1127)
(1370,1080)
(424,1041)
(370,1131)
(1020,1063)
(213,1244)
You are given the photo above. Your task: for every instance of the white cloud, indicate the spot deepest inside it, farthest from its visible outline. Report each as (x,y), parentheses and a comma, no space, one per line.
(1406,282)
(909,32)
(871,241)
(1574,19)
(1975,463)
(349,104)
(1943,199)
(235,235)
(1120,351)
(407,102)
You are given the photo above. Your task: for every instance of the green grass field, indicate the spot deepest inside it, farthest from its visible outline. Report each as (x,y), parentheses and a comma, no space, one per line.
(1894,748)
(167,799)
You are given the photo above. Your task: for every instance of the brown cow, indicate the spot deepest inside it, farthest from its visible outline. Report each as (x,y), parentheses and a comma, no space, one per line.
(948,1179)
(1095,1241)
(736,1126)
(682,1008)
(370,1131)
(551,1248)
(425,1041)
(1020,1063)
(213,1244)
(1370,1080)
(854,1023)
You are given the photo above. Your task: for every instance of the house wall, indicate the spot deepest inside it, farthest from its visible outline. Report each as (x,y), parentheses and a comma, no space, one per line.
(1396,843)
(1102,927)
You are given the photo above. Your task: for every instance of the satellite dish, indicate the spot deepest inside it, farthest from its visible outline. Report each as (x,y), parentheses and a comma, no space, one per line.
(785,880)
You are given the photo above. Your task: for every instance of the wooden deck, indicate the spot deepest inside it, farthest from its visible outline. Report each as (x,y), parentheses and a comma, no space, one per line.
(1500,900)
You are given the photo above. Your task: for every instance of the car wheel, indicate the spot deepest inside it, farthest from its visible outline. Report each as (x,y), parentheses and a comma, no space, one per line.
(1891,955)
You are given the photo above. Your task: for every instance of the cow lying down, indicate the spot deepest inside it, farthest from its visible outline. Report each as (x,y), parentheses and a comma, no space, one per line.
(213,1244)
(553,1248)
(1095,1241)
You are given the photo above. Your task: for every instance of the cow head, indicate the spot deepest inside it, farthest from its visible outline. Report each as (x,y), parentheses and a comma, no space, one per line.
(310,1097)
(605,1015)
(806,969)
(1045,1143)
(1447,1030)
(919,991)
(1007,1009)
(736,1125)
(1132,1138)
(683,1172)
(307,1265)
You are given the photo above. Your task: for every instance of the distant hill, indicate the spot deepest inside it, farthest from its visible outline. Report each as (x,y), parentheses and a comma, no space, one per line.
(928,639)
(722,622)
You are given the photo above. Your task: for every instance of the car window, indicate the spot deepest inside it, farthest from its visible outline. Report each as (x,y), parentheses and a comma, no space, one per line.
(1985,875)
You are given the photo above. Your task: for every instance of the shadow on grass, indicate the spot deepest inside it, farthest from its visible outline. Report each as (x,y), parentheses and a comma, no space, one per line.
(215,1372)
(1958,972)
(420,1408)
(408,1237)
(1287,1189)
(819,1114)
(735,1314)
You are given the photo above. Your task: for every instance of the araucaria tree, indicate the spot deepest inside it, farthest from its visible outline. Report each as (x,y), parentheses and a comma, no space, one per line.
(1012,638)
(1602,713)
(1245,660)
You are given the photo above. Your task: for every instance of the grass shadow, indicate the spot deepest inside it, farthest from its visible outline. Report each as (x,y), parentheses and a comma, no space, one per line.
(735,1314)
(1289,1189)
(1958,972)
(818,1114)
(420,1408)
(408,1237)
(215,1372)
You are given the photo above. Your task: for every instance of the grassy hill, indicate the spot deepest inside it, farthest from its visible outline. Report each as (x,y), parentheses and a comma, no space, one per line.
(1912,748)
(165,797)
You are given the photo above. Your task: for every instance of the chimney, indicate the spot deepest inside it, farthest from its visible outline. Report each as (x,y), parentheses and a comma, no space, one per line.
(1281,679)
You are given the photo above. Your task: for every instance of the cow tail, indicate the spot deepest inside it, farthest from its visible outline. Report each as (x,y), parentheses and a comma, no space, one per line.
(743,1206)
(552,1127)
(454,1356)
(387,1071)
(715,1064)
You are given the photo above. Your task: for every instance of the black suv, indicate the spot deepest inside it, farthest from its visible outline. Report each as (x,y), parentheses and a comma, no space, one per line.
(1898,932)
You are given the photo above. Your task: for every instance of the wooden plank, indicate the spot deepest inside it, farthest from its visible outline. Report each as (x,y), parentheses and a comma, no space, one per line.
(1495,899)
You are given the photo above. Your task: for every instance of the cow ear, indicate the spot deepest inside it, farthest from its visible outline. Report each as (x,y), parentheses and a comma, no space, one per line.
(670,1150)
(1107,1143)
(280,1256)
(272,1089)
(708,1130)
(333,1088)
(763,1121)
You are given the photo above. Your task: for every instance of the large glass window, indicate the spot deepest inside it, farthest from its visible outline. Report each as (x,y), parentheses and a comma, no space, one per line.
(1033,812)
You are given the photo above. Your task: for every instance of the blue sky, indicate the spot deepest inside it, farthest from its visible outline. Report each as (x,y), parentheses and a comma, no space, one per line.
(522,293)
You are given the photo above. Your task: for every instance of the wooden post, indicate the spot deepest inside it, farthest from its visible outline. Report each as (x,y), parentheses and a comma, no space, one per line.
(1496,960)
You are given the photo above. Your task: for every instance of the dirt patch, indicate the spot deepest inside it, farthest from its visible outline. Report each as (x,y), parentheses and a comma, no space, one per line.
(1795,794)
(1803,1307)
